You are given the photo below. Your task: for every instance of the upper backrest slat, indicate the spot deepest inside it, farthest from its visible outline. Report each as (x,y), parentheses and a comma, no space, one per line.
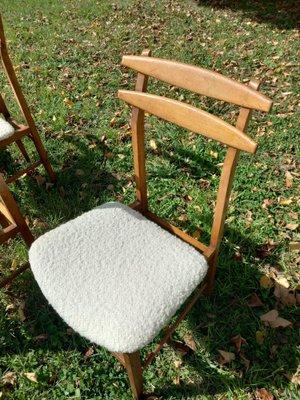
(191,118)
(199,80)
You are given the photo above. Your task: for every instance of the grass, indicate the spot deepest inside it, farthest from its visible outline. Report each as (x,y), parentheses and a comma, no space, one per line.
(67,55)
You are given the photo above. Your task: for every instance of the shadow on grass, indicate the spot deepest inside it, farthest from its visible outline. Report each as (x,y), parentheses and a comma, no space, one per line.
(236,281)
(282,13)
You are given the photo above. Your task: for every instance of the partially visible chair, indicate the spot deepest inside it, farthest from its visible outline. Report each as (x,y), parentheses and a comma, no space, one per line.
(12,131)
(118,273)
(12,222)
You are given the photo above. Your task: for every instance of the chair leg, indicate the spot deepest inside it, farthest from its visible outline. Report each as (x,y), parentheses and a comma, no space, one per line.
(211,275)
(23,150)
(134,369)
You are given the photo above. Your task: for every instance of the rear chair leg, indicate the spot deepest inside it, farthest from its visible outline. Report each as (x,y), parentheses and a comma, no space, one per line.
(211,275)
(134,369)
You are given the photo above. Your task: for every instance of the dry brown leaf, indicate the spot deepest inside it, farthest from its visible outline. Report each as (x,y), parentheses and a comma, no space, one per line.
(9,378)
(263,394)
(294,246)
(285,202)
(295,379)
(10,307)
(291,227)
(42,336)
(196,235)
(255,301)
(176,380)
(288,179)
(272,319)
(265,282)
(31,376)
(282,281)
(68,102)
(21,311)
(190,342)
(238,340)
(153,144)
(40,180)
(245,360)
(182,217)
(14,265)
(89,352)
(177,363)
(227,357)
(284,295)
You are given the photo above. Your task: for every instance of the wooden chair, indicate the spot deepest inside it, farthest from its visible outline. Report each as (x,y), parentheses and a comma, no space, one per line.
(117,274)
(12,131)
(12,223)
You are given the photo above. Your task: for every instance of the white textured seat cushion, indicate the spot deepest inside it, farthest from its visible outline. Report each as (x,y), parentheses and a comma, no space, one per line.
(114,276)
(6,129)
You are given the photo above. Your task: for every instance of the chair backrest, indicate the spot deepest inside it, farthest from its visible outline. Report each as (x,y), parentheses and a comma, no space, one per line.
(204,82)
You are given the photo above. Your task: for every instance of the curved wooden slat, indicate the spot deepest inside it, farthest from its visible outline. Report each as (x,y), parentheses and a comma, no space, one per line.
(199,80)
(191,118)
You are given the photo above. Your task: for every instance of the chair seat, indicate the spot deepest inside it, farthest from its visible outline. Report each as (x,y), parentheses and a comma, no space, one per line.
(115,277)
(6,129)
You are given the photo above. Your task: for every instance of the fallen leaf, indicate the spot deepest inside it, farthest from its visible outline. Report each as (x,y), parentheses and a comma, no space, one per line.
(153,144)
(9,378)
(176,380)
(181,348)
(42,336)
(10,307)
(227,357)
(177,363)
(238,340)
(294,246)
(295,379)
(182,217)
(14,265)
(68,102)
(291,227)
(40,180)
(284,295)
(196,235)
(288,179)
(285,202)
(255,301)
(282,281)
(265,282)
(263,394)
(245,360)
(190,342)
(272,319)
(31,376)
(89,352)
(21,311)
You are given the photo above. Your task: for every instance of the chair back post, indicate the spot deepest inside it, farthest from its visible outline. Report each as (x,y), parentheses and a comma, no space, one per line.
(225,186)
(138,143)
(12,78)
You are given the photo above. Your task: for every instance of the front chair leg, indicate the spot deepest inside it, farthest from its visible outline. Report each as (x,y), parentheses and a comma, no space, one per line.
(133,365)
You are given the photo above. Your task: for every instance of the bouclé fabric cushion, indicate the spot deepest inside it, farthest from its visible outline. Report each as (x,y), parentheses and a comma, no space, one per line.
(6,129)
(115,277)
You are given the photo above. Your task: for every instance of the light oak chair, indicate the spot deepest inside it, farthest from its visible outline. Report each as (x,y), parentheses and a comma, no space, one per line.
(12,131)
(11,223)
(117,273)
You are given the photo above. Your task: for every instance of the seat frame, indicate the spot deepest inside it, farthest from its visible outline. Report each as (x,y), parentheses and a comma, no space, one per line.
(21,130)
(13,223)
(256,100)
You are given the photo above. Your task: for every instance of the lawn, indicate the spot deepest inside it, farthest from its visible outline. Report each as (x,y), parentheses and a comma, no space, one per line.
(67,56)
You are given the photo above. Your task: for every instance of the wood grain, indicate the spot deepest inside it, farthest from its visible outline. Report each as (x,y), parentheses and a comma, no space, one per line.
(199,80)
